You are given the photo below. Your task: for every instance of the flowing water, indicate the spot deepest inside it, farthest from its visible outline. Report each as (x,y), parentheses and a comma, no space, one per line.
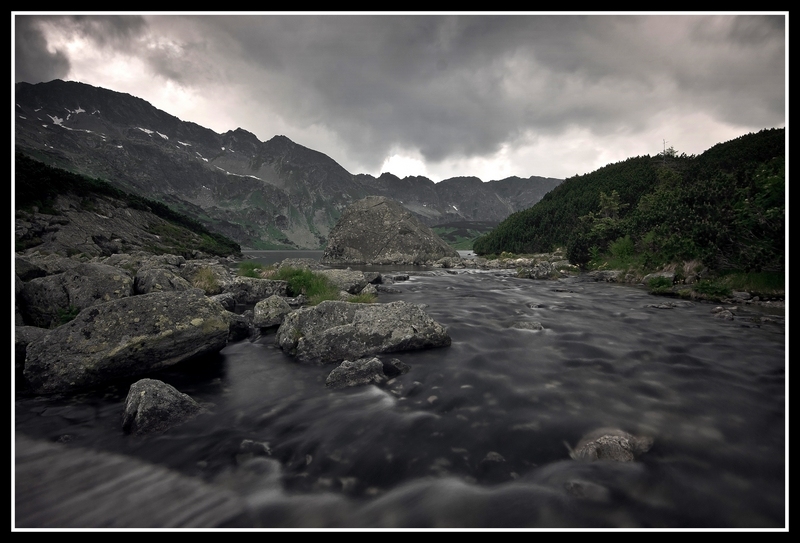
(476,434)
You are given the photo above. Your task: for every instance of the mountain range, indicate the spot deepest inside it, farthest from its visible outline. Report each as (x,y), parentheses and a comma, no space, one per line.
(273,194)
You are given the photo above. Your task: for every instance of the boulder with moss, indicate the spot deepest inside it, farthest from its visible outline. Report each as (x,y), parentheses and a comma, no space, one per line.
(127,337)
(334,331)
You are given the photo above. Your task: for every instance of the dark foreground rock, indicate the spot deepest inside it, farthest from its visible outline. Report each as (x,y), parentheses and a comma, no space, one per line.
(377,230)
(153,406)
(335,331)
(127,337)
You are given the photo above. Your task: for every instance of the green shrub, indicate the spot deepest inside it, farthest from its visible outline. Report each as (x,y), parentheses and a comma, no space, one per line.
(622,248)
(659,285)
(712,290)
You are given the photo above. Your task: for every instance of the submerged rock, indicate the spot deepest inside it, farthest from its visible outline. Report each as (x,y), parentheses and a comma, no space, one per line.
(351,373)
(364,371)
(610,444)
(378,230)
(153,406)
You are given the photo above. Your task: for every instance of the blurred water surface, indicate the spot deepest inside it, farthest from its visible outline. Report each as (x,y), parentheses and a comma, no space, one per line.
(476,435)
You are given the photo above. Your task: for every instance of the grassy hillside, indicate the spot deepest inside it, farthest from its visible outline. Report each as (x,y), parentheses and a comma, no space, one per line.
(724,208)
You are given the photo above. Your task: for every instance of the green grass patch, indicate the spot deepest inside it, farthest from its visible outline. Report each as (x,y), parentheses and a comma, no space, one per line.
(659,285)
(205,279)
(763,284)
(314,286)
(712,290)
(248,268)
(363,298)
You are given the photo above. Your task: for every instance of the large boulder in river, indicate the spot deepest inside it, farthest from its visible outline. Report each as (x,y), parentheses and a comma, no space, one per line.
(127,337)
(334,331)
(377,230)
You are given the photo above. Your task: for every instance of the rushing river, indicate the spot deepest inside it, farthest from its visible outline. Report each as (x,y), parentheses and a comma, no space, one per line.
(475,435)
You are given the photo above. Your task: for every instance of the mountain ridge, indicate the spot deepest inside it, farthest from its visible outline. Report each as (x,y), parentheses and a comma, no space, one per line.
(264,195)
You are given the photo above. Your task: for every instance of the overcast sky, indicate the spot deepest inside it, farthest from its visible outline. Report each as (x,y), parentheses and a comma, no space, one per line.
(439,95)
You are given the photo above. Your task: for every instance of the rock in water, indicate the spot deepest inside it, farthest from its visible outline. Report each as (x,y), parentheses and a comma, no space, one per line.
(377,230)
(610,444)
(334,331)
(153,406)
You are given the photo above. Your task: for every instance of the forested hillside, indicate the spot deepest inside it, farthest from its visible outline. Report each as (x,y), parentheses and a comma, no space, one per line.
(725,207)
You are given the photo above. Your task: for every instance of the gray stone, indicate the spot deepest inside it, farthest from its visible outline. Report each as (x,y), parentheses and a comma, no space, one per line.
(610,444)
(153,407)
(270,312)
(609,276)
(250,290)
(158,279)
(369,289)
(377,230)
(527,325)
(301,264)
(44,300)
(27,270)
(227,299)
(334,331)
(23,336)
(213,277)
(126,337)
(363,371)
(350,281)
(668,275)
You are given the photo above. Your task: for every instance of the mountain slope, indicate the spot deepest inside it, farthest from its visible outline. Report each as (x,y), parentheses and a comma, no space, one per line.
(273,194)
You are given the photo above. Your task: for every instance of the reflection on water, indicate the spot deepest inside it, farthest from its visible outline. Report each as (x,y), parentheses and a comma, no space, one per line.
(476,434)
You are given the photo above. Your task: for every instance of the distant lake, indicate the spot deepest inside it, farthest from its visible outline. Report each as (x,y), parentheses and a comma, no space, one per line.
(269,258)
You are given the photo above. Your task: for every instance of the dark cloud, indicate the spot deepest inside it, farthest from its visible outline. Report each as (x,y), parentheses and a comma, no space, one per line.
(33,62)
(450,86)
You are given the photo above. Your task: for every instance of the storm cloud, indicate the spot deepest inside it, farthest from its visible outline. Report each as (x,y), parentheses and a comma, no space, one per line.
(502,94)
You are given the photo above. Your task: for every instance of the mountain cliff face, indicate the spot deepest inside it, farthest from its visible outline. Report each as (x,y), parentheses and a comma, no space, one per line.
(273,194)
